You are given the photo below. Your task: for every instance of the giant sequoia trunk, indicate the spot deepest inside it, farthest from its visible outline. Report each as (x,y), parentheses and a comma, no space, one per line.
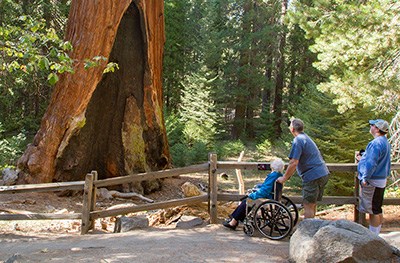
(111,123)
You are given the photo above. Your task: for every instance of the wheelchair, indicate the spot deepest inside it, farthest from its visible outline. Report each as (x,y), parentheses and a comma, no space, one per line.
(274,219)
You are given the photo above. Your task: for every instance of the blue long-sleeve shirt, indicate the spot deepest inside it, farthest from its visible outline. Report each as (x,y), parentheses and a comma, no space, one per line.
(375,162)
(265,190)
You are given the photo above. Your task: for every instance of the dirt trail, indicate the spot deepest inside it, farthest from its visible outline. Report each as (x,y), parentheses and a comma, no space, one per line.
(212,243)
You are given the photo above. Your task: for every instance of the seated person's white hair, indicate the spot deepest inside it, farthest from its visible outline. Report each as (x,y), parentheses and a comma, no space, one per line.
(277,165)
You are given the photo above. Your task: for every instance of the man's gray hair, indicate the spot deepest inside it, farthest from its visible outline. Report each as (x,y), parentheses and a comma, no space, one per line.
(277,165)
(297,125)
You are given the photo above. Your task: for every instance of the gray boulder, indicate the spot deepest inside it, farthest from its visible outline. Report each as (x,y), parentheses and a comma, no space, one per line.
(9,177)
(187,222)
(318,240)
(16,258)
(125,224)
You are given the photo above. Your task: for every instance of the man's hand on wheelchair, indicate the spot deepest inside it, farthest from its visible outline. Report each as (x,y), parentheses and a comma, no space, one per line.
(281,180)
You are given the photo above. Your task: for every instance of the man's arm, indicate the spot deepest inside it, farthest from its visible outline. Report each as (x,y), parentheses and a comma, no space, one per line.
(289,171)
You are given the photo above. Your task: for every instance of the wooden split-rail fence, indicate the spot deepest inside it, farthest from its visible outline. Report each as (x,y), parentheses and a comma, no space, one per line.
(92,183)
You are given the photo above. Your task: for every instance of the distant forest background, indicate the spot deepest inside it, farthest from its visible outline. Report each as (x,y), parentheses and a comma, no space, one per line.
(235,72)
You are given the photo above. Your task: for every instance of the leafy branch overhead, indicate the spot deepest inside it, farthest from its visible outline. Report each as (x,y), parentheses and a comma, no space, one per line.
(358,49)
(29,48)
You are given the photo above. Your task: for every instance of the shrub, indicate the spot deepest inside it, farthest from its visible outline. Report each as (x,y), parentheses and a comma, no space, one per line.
(229,149)
(263,148)
(179,154)
(10,149)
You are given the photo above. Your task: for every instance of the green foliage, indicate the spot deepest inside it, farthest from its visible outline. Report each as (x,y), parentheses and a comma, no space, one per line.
(32,57)
(192,132)
(179,155)
(197,110)
(11,147)
(340,184)
(184,155)
(29,48)
(229,149)
(174,128)
(357,46)
(111,67)
(264,148)
(183,52)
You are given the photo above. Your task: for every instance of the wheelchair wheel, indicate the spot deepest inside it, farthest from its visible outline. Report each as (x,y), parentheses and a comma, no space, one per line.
(273,220)
(292,208)
(248,229)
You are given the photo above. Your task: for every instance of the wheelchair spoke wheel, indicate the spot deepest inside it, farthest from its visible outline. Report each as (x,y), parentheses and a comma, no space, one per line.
(273,220)
(292,208)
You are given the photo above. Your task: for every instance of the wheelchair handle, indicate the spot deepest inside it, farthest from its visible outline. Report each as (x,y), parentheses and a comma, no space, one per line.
(278,187)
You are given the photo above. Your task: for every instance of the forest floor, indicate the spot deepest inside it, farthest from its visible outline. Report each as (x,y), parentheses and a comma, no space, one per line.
(34,240)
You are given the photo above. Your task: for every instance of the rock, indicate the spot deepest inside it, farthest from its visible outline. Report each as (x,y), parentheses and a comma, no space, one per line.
(187,222)
(125,224)
(62,211)
(9,176)
(50,209)
(318,240)
(15,259)
(103,193)
(190,189)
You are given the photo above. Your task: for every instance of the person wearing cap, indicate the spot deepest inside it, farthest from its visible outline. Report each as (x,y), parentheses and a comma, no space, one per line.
(306,158)
(373,170)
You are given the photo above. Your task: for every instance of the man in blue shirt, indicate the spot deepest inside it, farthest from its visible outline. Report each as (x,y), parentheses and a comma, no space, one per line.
(373,169)
(306,158)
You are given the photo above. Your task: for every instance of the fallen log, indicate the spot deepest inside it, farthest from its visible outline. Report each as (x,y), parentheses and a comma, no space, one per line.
(106,194)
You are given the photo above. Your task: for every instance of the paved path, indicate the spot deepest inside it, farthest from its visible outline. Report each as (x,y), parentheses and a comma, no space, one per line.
(212,243)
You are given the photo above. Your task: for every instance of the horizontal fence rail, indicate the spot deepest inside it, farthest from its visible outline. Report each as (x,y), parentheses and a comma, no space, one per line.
(152,175)
(40,216)
(147,207)
(50,187)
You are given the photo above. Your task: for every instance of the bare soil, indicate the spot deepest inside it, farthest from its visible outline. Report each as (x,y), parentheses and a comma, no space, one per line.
(60,240)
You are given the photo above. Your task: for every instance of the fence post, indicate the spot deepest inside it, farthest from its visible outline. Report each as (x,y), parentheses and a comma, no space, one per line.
(93,199)
(87,203)
(213,188)
(358,216)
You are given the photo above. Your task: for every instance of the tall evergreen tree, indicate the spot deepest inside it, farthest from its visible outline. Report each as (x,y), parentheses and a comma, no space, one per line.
(176,49)
(197,110)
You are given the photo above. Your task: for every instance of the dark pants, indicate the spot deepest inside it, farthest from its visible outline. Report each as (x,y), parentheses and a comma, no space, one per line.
(240,212)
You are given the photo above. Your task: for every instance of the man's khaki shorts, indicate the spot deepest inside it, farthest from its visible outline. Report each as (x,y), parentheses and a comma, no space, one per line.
(314,190)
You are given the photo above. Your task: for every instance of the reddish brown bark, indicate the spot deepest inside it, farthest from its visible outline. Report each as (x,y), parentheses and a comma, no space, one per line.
(112,123)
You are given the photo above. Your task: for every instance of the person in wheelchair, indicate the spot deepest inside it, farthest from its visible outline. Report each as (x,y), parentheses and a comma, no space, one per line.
(263,191)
